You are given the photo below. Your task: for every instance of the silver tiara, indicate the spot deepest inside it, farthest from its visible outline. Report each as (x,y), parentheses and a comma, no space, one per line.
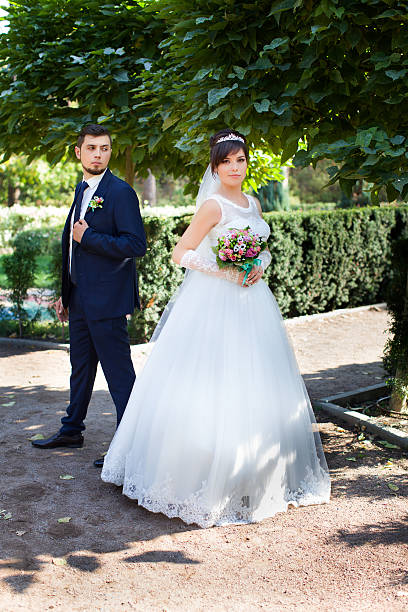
(230,137)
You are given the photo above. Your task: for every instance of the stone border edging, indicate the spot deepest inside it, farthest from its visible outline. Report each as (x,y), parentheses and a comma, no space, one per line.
(46,344)
(334,313)
(36,343)
(390,434)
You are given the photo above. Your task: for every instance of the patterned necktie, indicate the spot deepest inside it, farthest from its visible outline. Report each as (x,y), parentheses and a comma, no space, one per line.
(77,213)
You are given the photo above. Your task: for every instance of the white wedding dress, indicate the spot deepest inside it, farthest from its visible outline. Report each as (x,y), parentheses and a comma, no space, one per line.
(219,428)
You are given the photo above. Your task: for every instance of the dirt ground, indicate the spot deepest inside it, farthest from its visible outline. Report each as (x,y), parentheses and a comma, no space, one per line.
(350,554)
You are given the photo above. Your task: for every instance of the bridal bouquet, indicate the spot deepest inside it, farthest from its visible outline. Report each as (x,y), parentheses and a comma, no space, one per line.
(239,248)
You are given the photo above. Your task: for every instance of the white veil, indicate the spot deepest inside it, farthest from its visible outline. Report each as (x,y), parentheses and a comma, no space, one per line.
(209,185)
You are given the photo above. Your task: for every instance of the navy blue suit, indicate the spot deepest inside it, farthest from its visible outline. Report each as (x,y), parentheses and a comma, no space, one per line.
(106,291)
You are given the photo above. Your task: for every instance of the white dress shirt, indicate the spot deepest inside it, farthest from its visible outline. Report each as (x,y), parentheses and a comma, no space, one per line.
(86,198)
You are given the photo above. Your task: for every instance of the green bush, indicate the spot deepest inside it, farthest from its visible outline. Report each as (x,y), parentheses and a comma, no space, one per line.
(320,261)
(45,219)
(395,357)
(158,276)
(20,268)
(331,259)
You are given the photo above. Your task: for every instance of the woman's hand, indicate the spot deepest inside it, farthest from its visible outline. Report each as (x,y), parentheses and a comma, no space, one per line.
(254,276)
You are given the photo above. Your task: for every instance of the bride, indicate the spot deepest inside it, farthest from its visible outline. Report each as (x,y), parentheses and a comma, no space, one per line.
(219,428)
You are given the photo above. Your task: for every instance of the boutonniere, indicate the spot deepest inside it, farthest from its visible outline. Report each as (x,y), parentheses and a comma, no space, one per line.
(95,203)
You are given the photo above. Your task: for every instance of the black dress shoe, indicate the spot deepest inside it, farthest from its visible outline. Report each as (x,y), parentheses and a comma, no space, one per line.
(60,440)
(99,462)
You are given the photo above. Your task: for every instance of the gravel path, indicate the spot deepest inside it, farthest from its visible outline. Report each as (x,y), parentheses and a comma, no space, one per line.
(349,554)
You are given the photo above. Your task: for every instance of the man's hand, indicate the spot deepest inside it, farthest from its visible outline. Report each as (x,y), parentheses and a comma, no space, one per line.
(62,313)
(79,230)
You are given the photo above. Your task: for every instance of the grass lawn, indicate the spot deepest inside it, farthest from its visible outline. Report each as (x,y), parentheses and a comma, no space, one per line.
(41,281)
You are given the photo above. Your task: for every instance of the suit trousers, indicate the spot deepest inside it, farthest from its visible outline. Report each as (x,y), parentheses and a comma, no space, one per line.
(92,341)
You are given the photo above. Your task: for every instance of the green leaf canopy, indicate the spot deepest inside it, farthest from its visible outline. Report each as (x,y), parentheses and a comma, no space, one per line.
(330,74)
(66,63)
(164,75)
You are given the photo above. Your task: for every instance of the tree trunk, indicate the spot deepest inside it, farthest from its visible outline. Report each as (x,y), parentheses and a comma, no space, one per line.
(130,167)
(11,194)
(285,182)
(149,190)
(398,403)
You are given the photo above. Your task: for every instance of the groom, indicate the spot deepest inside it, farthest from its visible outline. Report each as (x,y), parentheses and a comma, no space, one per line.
(102,235)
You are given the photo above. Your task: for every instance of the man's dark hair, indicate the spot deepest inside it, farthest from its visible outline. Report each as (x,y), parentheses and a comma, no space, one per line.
(93,129)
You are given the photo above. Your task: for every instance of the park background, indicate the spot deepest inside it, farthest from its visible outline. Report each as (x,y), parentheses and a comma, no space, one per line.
(317,91)
(313,85)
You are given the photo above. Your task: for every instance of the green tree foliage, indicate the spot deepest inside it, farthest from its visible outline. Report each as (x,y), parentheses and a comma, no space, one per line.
(171,72)
(37,182)
(308,184)
(64,63)
(67,63)
(332,74)
(273,196)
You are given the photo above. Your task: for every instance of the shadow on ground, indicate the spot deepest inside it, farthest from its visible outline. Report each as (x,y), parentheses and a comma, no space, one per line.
(103,521)
(394,532)
(348,377)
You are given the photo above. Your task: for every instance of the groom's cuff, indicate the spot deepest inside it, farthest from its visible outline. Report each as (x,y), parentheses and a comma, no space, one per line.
(84,240)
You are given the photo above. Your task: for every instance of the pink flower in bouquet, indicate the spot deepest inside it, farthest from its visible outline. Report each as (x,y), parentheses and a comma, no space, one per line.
(238,247)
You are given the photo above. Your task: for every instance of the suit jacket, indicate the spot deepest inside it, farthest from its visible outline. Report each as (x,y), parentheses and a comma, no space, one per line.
(105,265)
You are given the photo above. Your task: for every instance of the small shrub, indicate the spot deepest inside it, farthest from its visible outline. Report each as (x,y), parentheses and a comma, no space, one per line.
(20,268)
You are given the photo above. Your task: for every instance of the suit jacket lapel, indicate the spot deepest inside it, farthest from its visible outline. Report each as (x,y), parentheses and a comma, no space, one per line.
(75,199)
(68,221)
(101,189)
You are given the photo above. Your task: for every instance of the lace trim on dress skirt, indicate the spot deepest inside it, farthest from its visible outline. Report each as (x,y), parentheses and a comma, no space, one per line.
(235,509)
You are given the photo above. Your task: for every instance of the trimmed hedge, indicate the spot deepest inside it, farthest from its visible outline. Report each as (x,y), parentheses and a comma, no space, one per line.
(159,277)
(320,261)
(332,259)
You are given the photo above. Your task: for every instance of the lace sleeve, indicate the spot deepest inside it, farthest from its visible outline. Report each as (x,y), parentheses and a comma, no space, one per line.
(194,261)
(265,258)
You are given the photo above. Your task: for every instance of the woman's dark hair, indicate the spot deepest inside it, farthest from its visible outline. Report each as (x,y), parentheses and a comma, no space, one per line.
(93,129)
(220,150)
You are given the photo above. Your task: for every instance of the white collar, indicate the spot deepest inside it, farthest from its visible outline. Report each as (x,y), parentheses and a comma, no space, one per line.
(94,181)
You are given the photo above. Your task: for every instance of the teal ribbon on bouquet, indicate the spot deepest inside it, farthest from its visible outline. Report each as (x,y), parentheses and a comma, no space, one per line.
(248,267)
